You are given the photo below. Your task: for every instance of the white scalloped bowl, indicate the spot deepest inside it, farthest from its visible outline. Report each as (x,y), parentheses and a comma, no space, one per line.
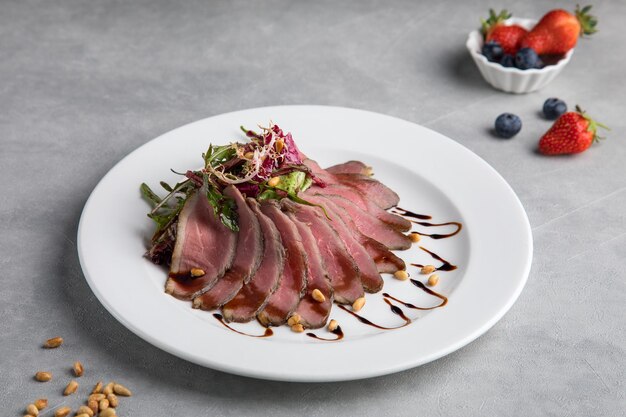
(509,79)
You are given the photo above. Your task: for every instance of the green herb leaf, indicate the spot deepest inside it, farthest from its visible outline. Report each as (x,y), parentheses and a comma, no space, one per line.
(149,195)
(166,186)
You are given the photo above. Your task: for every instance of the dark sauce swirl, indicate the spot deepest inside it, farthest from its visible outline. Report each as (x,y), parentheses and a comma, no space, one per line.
(394,309)
(446,266)
(337,332)
(410,214)
(268,332)
(421,286)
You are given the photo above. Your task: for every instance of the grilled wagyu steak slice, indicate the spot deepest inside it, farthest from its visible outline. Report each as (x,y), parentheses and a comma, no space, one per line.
(246,261)
(385,260)
(204,249)
(293,282)
(344,274)
(371,226)
(351,167)
(364,203)
(313,314)
(382,195)
(253,295)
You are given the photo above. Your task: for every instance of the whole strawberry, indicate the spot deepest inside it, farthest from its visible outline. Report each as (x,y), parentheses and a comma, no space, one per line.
(573,132)
(558,30)
(508,36)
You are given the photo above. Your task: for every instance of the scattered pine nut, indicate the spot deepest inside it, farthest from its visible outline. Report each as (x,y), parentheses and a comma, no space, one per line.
(332,325)
(78,369)
(113,400)
(401,275)
(369,171)
(55,342)
(71,388)
(427,269)
(83,415)
(62,412)
(433,280)
(43,376)
(294,319)
(109,412)
(415,237)
(93,405)
(358,304)
(273,182)
(32,410)
(248,155)
(83,409)
(98,397)
(197,272)
(103,404)
(298,328)
(97,389)
(120,389)
(280,144)
(41,403)
(108,388)
(318,296)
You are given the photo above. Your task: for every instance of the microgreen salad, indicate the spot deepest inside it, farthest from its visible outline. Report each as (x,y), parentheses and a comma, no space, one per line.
(268,166)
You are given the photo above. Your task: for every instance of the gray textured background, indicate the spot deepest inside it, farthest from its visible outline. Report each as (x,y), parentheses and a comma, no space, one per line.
(85,82)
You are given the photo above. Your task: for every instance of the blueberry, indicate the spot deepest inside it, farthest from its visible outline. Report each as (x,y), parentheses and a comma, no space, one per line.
(507,61)
(493,51)
(508,125)
(553,108)
(527,58)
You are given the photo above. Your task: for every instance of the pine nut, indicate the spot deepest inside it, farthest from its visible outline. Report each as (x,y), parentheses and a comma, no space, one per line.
(32,410)
(298,328)
(433,280)
(78,369)
(120,389)
(401,275)
(62,412)
(103,404)
(55,342)
(280,144)
(83,415)
(273,182)
(109,412)
(108,388)
(427,269)
(98,397)
(415,237)
(71,388)
(93,405)
(41,403)
(197,272)
(83,409)
(358,304)
(248,155)
(43,376)
(369,171)
(97,389)
(332,325)
(318,296)
(113,400)
(294,319)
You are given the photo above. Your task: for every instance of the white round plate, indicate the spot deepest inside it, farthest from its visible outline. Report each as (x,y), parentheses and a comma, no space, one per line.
(432,174)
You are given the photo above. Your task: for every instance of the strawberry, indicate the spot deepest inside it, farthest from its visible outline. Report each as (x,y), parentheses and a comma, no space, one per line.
(558,30)
(508,36)
(573,132)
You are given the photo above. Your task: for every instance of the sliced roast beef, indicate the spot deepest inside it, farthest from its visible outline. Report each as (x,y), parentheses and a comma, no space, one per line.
(253,296)
(351,167)
(344,274)
(385,260)
(382,195)
(361,200)
(247,257)
(293,282)
(204,249)
(370,225)
(313,314)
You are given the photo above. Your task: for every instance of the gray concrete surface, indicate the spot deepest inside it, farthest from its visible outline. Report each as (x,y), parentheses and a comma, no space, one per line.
(84,82)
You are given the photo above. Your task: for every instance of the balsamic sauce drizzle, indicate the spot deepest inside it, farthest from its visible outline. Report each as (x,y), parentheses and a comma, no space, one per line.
(407,213)
(394,309)
(268,332)
(338,332)
(446,266)
(424,288)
